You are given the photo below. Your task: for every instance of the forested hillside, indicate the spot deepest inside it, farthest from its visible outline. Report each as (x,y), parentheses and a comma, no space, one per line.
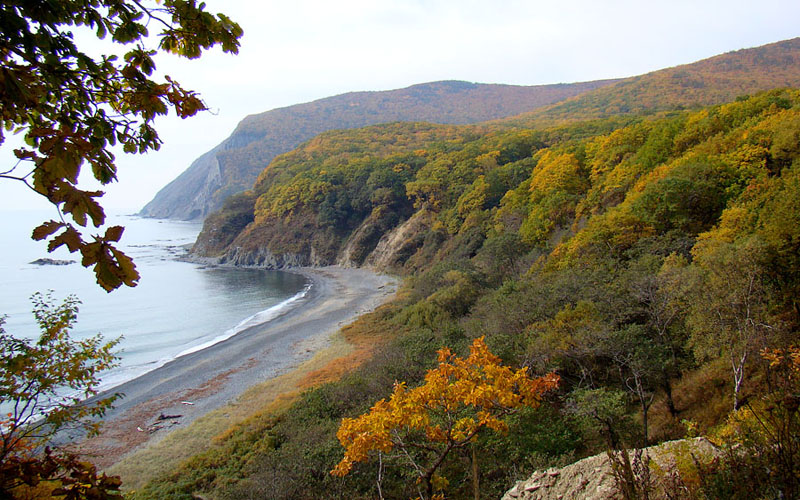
(645,257)
(651,261)
(343,197)
(233,165)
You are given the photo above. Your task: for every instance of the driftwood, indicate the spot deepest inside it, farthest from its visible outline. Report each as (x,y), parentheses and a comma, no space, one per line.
(168,417)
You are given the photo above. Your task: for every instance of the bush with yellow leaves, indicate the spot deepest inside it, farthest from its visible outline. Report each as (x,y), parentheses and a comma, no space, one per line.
(459,399)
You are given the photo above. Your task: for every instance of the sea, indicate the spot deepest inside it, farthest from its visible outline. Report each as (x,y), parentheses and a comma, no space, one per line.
(177,308)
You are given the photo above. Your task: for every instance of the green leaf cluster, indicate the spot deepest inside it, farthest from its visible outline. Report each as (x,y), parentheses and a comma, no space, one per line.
(44,387)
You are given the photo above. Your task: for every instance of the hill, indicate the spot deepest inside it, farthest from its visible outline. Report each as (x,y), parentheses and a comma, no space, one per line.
(711,81)
(651,261)
(233,165)
(649,258)
(333,179)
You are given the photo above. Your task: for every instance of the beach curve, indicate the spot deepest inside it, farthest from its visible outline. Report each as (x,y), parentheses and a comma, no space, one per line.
(188,387)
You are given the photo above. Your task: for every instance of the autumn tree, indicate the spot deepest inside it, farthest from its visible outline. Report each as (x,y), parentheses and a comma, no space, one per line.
(73,108)
(460,398)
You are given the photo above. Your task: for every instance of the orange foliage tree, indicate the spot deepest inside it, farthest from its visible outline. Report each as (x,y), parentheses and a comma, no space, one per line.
(459,399)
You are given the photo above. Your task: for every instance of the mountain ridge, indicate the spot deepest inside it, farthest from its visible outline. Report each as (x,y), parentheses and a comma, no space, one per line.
(234,164)
(710,81)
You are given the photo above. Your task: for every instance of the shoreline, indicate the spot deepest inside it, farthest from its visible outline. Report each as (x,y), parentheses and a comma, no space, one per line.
(188,387)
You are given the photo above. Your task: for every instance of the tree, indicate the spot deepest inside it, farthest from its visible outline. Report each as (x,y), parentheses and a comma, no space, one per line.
(638,360)
(459,399)
(42,386)
(663,298)
(73,108)
(731,316)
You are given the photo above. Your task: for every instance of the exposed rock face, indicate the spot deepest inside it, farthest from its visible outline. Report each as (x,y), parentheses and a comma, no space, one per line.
(189,195)
(275,244)
(263,258)
(232,166)
(592,478)
(363,241)
(396,246)
(376,244)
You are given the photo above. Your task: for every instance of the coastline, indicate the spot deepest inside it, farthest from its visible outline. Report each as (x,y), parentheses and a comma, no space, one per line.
(191,386)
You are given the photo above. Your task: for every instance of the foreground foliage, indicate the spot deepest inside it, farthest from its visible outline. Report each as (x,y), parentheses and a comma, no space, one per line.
(74,107)
(42,388)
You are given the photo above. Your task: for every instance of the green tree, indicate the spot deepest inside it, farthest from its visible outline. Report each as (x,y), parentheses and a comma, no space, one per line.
(41,388)
(638,360)
(731,314)
(662,297)
(73,108)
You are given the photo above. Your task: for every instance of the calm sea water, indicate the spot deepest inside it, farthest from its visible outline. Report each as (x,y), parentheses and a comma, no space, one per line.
(178,307)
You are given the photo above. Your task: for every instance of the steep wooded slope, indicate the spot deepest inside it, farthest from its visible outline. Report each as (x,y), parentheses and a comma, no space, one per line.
(714,80)
(233,165)
(647,260)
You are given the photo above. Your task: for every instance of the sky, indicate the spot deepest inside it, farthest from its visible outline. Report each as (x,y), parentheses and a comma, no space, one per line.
(301,50)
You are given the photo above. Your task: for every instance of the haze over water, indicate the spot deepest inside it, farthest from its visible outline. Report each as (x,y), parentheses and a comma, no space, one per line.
(177,307)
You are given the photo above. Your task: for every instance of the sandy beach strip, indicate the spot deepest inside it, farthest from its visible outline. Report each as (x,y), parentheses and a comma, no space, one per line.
(176,394)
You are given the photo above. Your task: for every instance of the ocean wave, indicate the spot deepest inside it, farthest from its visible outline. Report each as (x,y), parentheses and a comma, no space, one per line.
(258,318)
(121,375)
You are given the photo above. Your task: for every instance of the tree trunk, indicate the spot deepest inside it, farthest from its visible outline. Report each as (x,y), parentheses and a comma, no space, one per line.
(738,379)
(667,386)
(476,491)
(645,409)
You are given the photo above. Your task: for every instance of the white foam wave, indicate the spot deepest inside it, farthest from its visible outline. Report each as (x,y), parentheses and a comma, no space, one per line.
(258,318)
(121,375)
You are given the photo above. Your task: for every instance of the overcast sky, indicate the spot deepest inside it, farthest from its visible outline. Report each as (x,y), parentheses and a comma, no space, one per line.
(300,50)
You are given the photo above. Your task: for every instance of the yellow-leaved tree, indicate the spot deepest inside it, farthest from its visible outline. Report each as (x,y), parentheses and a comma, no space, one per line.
(459,399)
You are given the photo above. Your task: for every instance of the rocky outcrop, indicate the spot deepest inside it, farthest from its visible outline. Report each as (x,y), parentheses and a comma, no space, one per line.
(189,195)
(271,244)
(396,246)
(232,166)
(263,258)
(592,478)
(378,243)
(51,262)
(363,241)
